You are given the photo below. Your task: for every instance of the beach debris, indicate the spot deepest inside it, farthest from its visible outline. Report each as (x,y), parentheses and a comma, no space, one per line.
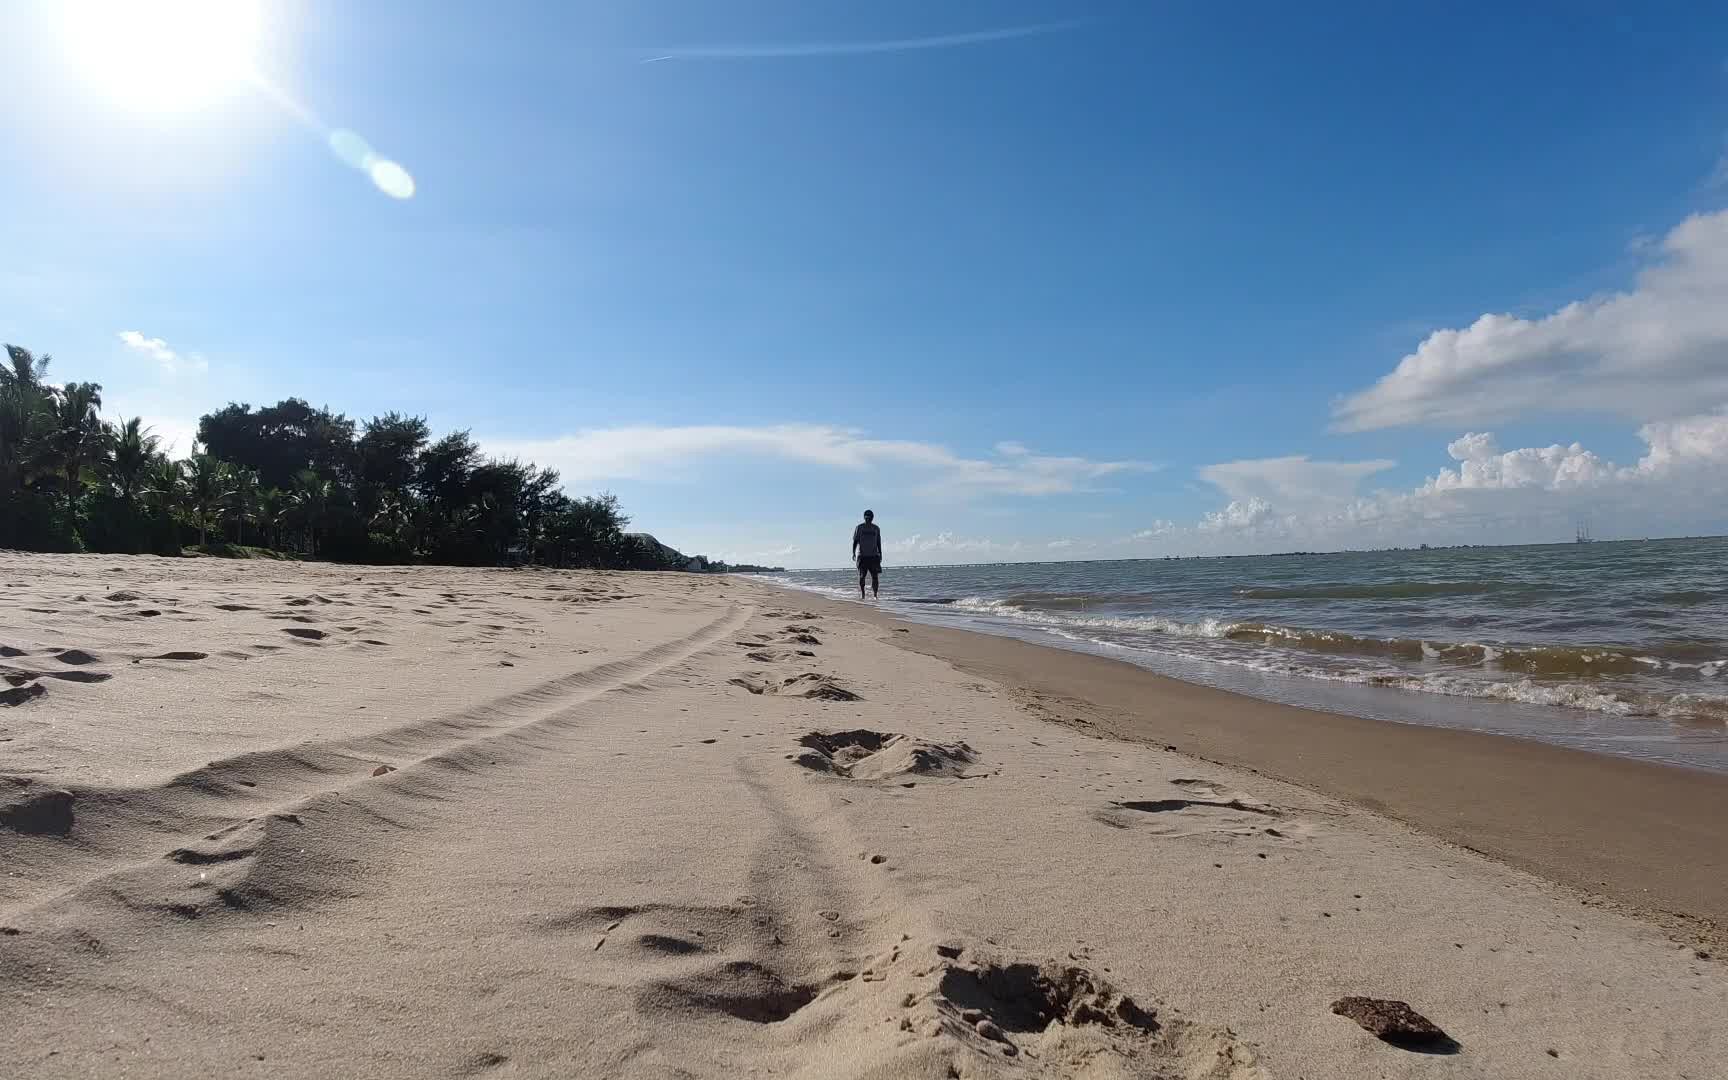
(1394,1022)
(123,595)
(383,770)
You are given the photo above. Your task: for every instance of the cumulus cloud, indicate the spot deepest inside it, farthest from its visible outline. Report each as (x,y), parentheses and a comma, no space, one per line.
(1241,515)
(167,360)
(1292,479)
(1679,484)
(1653,352)
(1158,529)
(625,452)
(946,543)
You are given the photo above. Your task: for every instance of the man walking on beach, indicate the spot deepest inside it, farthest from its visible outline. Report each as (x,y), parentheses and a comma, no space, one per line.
(867,550)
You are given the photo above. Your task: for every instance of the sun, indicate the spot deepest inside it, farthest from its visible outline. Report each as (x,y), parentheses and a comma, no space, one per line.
(158,55)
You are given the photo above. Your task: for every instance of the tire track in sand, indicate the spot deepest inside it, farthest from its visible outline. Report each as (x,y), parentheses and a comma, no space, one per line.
(222,811)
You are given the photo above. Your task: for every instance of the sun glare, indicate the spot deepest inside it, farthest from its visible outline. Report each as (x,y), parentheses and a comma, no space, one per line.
(164,54)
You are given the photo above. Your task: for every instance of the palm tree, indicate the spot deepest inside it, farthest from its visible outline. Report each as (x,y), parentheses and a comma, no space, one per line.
(242,496)
(133,449)
(27,450)
(272,507)
(207,489)
(165,483)
(79,431)
(311,502)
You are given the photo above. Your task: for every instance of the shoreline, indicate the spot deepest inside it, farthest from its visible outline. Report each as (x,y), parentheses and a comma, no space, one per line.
(1643,835)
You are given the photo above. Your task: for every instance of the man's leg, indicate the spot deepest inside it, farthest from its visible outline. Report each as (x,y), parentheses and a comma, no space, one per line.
(875,582)
(861,573)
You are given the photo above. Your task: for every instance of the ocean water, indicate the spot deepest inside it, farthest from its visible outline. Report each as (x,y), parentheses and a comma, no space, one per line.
(1616,647)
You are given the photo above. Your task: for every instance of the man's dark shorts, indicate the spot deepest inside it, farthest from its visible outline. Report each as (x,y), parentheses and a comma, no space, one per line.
(869,564)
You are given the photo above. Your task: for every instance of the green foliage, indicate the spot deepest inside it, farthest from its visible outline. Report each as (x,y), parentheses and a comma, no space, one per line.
(292,477)
(223,550)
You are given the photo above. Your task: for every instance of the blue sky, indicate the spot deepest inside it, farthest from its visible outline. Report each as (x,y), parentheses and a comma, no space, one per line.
(1032,280)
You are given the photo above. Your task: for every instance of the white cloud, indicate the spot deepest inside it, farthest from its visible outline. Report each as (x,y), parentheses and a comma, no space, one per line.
(1679,485)
(1241,515)
(1654,352)
(946,543)
(808,50)
(1297,478)
(169,361)
(1158,529)
(1062,545)
(1483,465)
(614,453)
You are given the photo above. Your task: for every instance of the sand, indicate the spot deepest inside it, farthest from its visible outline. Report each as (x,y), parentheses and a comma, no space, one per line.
(309,820)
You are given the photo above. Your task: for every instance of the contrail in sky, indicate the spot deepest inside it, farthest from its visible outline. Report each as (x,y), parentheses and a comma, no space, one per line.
(861,48)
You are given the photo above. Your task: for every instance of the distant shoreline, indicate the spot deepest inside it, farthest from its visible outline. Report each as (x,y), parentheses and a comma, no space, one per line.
(1566,544)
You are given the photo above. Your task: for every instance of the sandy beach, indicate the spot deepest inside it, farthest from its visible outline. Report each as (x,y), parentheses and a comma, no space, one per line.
(286,819)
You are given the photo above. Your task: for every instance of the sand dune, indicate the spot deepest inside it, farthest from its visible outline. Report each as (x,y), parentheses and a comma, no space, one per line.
(317,820)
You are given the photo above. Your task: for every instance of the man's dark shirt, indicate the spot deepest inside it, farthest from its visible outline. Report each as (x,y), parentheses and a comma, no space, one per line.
(868,539)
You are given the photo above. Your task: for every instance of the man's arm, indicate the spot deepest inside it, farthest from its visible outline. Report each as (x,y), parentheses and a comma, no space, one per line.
(855,530)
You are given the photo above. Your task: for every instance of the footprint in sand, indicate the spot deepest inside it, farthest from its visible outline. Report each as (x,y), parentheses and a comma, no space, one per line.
(76,657)
(1044,1013)
(19,678)
(874,755)
(1204,809)
(809,685)
(20,694)
(304,632)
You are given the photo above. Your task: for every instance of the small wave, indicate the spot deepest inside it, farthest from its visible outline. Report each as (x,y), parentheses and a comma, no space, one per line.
(1392,590)
(1549,661)
(1708,710)
(1006,609)
(1689,597)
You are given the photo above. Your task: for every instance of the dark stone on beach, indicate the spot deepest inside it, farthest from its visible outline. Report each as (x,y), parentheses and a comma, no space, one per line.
(1395,1022)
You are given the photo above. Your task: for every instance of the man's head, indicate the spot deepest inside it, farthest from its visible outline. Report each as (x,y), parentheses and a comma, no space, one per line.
(869,515)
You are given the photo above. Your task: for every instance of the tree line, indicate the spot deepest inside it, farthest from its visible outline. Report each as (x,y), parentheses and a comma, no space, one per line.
(288,478)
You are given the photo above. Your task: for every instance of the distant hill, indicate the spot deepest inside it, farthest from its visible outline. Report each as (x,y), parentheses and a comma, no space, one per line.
(641,551)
